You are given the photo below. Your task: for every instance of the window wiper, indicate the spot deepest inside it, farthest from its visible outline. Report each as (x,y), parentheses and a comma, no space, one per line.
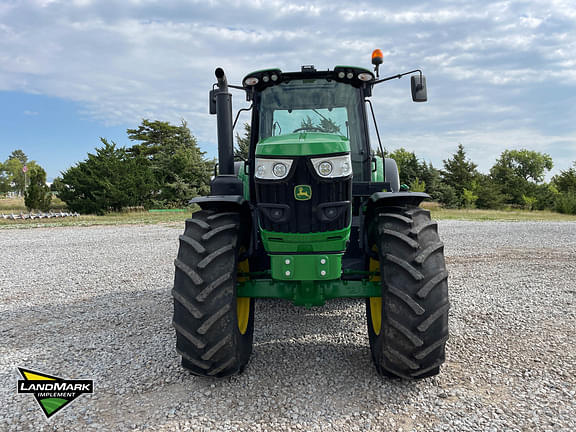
(316,111)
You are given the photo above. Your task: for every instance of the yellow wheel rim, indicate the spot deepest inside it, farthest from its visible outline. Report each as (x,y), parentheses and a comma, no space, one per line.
(243,312)
(376,313)
(375,302)
(243,303)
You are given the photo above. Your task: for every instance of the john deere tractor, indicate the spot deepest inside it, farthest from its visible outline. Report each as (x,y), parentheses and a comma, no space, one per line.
(311,215)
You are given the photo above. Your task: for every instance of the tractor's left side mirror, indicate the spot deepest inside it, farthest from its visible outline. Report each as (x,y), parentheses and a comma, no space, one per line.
(418,83)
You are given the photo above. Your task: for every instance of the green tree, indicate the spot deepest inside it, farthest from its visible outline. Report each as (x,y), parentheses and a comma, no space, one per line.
(4,180)
(19,155)
(459,173)
(408,165)
(108,180)
(488,192)
(526,164)
(565,186)
(56,185)
(566,203)
(430,176)
(37,195)
(242,150)
(13,174)
(518,171)
(412,171)
(566,180)
(545,195)
(157,136)
(180,169)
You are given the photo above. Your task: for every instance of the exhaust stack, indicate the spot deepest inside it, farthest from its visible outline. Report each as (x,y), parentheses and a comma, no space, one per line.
(224,122)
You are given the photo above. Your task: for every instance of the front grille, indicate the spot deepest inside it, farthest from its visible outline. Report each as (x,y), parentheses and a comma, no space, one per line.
(304,216)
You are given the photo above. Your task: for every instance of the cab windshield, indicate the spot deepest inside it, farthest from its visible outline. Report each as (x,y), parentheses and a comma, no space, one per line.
(314,105)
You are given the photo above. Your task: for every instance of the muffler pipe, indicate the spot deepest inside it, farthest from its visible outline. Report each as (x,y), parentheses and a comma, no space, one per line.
(224,123)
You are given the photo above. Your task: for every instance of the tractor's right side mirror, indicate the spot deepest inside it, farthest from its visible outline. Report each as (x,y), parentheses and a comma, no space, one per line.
(418,84)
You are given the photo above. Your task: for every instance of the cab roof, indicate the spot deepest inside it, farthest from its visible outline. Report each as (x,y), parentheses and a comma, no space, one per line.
(261,79)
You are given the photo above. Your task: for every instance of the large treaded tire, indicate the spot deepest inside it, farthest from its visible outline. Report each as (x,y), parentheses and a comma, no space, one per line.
(414,312)
(205,311)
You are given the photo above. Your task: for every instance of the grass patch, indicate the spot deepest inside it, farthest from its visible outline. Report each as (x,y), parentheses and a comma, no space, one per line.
(132,218)
(500,215)
(16,205)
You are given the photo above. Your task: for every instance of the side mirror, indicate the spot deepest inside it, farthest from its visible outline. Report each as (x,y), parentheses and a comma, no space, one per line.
(418,84)
(212,102)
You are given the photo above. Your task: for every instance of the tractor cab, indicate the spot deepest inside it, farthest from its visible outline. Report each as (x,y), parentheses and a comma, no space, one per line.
(313,112)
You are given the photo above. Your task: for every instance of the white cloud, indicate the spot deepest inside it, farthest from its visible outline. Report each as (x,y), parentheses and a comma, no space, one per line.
(485,146)
(487,66)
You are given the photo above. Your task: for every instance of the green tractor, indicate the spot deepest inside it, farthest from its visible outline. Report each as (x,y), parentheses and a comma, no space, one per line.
(312,214)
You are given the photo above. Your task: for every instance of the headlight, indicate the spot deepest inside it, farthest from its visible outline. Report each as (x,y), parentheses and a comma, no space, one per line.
(279,170)
(272,169)
(335,166)
(325,168)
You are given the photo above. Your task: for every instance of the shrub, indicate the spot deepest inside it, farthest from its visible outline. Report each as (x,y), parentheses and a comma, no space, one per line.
(529,202)
(445,195)
(417,186)
(489,194)
(37,196)
(469,198)
(566,203)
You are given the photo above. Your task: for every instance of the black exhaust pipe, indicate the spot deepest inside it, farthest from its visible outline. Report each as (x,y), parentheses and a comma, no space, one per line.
(224,121)
(221,77)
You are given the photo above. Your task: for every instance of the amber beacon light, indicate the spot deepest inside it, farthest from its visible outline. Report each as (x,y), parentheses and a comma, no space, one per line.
(377,59)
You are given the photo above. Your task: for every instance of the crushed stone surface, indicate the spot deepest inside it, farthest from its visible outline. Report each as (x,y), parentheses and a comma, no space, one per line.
(95,303)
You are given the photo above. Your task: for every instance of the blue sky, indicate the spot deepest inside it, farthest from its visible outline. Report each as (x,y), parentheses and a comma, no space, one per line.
(500,74)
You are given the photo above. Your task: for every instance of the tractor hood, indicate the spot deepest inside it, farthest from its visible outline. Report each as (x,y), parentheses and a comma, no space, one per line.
(303,144)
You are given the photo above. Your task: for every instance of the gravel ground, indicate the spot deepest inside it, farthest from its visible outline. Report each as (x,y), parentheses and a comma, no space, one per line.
(95,303)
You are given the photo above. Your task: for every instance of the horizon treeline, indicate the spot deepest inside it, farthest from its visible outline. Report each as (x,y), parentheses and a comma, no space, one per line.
(516,180)
(165,168)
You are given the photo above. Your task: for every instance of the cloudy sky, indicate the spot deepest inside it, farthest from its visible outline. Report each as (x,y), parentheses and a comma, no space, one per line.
(500,74)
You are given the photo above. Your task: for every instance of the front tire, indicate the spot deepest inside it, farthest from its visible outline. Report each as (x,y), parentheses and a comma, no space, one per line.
(408,325)
(214,328)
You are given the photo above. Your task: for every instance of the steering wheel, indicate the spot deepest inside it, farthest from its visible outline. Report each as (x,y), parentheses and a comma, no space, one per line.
(308,128)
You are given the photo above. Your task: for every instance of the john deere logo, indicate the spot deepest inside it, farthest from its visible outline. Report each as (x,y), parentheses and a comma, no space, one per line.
(52,393)
(302,192)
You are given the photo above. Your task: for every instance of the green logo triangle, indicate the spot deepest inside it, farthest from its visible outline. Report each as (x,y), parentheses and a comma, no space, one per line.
(52,405)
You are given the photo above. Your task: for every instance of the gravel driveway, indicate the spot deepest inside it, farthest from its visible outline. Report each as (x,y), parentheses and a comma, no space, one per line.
(95,303)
